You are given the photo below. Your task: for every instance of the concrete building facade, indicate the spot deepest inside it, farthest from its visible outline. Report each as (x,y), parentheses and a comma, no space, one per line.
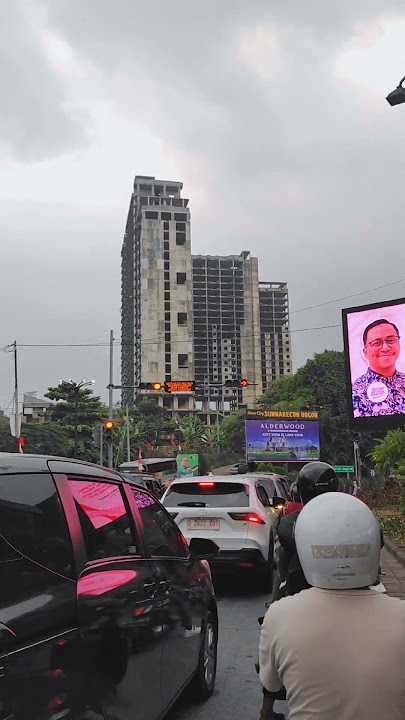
(157,319)
(226,330)
(275,338)
(198,317)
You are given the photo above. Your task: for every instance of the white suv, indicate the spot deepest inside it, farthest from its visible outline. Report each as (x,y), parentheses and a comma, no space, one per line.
(235,512)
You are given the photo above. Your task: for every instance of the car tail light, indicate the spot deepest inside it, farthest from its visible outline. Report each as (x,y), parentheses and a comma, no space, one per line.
(173,515)
(206,484)
(247,517)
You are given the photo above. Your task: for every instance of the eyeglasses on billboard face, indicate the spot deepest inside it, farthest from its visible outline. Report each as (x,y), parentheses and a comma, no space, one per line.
(391,341)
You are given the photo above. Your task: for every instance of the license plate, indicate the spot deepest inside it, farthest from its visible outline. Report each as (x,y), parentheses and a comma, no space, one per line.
(203,524)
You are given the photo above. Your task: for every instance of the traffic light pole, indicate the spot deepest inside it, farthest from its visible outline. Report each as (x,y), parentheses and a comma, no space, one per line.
(110,396)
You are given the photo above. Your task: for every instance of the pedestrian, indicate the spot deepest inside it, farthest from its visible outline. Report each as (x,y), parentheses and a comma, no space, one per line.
(344,656)
(355,488)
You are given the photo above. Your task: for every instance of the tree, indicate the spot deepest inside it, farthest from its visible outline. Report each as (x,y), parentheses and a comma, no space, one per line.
(76,412)
(194,433)
(388,453)
(40,439)
(320,385)
(233,431)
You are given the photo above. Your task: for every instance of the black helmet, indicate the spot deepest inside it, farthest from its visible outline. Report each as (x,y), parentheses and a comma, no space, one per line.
(316,478)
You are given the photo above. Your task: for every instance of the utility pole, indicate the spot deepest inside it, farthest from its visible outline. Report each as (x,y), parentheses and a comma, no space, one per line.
(110,396)
(16,416)
(128,439)
(101,444)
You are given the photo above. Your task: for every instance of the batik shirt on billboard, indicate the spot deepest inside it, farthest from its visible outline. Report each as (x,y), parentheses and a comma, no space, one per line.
(375,394)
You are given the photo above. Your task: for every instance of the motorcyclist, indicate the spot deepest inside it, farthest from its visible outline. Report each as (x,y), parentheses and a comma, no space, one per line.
(348,660)
(315,478)
(295,503)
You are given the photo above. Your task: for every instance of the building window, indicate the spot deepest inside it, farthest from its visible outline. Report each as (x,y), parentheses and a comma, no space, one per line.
(180,238)
(181,278)
(182,318)
(166,255)
(180,227)
(167,337)
(168,358)
(180,217)
(182,360)
(167,285)
(167,326)
(151,215)
(167,316)
(165,225)
(166,216)
(167,305)
(165,236)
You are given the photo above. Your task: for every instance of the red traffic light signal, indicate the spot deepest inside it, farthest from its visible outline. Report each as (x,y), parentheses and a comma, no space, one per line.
(109,424)
(243,382)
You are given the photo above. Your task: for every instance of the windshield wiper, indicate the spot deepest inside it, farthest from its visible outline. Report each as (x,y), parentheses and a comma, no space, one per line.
(195,503)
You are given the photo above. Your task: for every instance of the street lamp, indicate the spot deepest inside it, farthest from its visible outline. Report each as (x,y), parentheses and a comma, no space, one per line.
(74,393)
(397,96)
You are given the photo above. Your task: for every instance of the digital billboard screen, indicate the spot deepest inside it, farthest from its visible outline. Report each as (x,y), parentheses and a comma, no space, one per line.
(282,440)
(375,365)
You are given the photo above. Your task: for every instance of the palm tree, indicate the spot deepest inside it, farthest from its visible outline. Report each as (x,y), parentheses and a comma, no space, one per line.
(193,431)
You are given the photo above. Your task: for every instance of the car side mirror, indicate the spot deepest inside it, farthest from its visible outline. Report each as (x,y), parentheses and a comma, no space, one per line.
(203,548)
(277,502)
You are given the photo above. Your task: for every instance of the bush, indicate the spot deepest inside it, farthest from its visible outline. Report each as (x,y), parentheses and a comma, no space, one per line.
(381,498)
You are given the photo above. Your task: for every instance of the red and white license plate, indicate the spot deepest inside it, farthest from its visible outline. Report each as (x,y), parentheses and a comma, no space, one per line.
(203,524)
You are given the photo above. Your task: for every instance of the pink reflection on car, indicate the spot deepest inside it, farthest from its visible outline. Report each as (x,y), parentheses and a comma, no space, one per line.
(101,582)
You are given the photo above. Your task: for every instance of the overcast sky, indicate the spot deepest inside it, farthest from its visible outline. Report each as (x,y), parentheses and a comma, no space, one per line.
(273,114)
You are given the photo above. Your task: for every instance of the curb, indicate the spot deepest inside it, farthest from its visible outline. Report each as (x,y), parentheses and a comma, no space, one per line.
(395,551)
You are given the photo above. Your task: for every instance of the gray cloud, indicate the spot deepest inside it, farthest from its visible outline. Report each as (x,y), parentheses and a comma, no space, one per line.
(36,121)
(278,152)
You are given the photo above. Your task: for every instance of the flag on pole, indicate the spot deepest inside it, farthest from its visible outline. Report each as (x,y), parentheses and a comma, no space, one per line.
(140,468)
(21,445)
(173,442)
(149,446)
(179,447)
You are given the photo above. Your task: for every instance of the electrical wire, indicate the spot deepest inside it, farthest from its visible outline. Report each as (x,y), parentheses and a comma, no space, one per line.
(153,341)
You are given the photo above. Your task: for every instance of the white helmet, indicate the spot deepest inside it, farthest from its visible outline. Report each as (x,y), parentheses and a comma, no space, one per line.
(338,542)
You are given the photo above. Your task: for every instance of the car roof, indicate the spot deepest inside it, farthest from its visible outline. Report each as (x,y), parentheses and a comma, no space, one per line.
(14,463)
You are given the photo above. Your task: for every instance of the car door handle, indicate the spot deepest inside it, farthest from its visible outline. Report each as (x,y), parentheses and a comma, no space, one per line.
(150,589)
(165,585)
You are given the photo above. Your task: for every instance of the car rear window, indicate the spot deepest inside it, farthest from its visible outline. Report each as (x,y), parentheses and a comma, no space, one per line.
(207,494)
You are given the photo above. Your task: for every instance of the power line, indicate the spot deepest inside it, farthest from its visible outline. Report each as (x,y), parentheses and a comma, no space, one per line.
(347,297)
(153,341)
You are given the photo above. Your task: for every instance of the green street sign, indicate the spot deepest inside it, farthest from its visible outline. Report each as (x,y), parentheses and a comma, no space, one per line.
(343,468)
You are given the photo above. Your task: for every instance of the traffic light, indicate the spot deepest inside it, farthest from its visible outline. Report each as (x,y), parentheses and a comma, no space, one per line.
(108,429)
(156,386)
(241,382)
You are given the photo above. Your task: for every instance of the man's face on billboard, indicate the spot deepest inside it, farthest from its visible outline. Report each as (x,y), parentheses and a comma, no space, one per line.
(184,461)
(382,349)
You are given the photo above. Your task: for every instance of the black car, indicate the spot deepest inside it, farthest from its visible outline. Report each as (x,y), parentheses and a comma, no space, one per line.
(150,482)
(105,611)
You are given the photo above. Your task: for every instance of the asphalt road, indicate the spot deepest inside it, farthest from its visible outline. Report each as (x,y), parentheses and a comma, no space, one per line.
(237,694)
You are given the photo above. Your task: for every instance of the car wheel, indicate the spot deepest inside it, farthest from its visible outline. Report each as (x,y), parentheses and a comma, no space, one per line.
(204,679)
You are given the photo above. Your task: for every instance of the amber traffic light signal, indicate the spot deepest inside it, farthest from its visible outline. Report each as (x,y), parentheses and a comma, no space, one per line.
(109,424)
(156,386)
(242,382)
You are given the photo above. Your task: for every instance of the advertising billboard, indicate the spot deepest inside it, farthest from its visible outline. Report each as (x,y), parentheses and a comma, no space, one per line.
(278,440)
(375,365)
(187,465)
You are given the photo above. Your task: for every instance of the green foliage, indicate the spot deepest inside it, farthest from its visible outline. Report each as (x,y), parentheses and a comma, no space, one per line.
(233,433)
(76,412)
(320,385)
(389,452)
(41,439)
(194,433)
